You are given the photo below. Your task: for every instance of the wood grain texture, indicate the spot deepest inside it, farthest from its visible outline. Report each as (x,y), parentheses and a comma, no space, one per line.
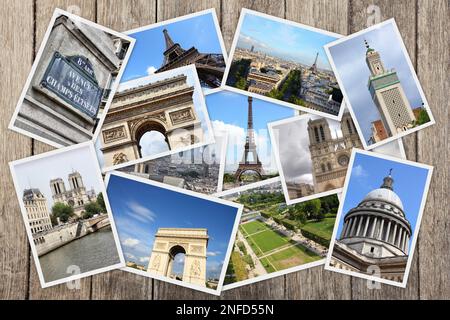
(123,15)
(16,35)
(359,18)
(433,61)
(424,26)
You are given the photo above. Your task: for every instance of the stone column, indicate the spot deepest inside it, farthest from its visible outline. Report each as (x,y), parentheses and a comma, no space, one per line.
(403,240)
(380,233)
(366,226)
(387,232)
(407,244)
(394,233)
(374,226)
(361,218)
(344,229)
(352,231)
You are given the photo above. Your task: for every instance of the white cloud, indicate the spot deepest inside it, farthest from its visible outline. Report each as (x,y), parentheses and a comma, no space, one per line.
(140,212)
(130,256)
(151,70)
(359,171)
(130,242)
(144,259)
(212,253)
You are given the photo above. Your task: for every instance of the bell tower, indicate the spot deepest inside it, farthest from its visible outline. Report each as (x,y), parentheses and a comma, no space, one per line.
(373,61)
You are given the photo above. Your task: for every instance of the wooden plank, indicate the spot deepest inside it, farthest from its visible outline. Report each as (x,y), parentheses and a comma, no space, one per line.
(16,57)
(316,283)
(44,10)
(166,10)
(433,147)
(123,15)
(404,12)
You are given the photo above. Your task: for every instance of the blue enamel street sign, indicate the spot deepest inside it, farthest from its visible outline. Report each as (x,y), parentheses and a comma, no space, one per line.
(73,83)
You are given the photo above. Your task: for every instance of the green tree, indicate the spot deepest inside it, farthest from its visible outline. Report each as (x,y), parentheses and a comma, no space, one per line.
(101,202)
(91,209)
(312,208)
(62,211)
(422,117)
(228,178)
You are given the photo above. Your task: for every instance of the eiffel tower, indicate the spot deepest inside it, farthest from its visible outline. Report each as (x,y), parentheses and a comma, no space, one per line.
(313,68)
(247,164)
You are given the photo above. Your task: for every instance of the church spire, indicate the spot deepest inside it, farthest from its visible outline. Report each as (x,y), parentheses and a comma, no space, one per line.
(169,41)
(388,182)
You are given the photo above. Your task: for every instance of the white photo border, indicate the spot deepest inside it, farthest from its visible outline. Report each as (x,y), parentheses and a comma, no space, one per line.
(272,274)
(58,12)
(416,229)
(96,167)
(202,107)
(411,68)
(210,198)
(245,11)
(275,150)
(211,11)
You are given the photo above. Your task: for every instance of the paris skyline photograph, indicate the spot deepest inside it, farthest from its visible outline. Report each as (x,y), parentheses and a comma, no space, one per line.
(379,84)
(228,112)
(194,38)
(283,62)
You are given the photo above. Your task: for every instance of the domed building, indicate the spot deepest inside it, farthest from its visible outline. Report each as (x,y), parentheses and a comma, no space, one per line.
(375,233)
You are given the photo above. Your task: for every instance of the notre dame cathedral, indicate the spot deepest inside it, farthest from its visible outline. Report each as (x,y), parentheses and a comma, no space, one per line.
(330,156)
(76,196)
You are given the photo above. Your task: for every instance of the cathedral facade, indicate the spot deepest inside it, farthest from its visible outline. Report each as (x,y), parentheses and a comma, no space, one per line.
(375,236)
(388,95)
(76,196)
(330,156)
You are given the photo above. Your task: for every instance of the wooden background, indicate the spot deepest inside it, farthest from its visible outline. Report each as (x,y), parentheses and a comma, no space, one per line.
(424,25)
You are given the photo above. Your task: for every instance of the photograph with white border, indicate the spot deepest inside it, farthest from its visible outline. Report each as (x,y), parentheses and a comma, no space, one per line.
(172,234)
(66,213)
(283,62)
(274,238)
(379,84)
(72,81)
(249,157)
(379,218)
(312,154)
(154,116)
(195,38)
(200,169)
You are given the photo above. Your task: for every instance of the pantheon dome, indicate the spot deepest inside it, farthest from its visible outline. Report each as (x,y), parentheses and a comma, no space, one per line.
(375,232)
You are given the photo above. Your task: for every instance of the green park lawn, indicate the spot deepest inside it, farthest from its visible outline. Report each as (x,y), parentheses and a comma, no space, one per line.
(323,229)
(292,257)
(266,241)
(253,227)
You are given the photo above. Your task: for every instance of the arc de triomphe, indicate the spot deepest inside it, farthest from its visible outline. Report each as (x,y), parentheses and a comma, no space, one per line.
(171,241)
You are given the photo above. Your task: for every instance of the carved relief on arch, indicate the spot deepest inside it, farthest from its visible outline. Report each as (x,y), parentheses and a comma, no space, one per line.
(119,158)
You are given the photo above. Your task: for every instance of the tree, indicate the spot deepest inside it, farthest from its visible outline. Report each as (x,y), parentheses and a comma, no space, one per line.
(62,211)
(312,208)
(91,209)
(423,117)
(101,202)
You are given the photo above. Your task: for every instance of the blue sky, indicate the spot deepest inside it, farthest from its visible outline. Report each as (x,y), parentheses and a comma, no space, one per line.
(368,173)
(150,44)
(228,112)
(284,40)
(139,209)
(350,60)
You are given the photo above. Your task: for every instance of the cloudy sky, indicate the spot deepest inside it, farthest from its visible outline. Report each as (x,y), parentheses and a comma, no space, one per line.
(140,209)
(368,173)
(284,40)
(294,152)
(229,113)
(350,60)
(38,173)
(147,55)
(153,142)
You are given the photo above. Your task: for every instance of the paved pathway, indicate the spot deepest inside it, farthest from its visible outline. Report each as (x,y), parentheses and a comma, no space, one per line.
(259,268)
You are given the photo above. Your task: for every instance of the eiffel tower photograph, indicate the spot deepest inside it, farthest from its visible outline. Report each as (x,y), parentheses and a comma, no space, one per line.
(192,39)
(244,119)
